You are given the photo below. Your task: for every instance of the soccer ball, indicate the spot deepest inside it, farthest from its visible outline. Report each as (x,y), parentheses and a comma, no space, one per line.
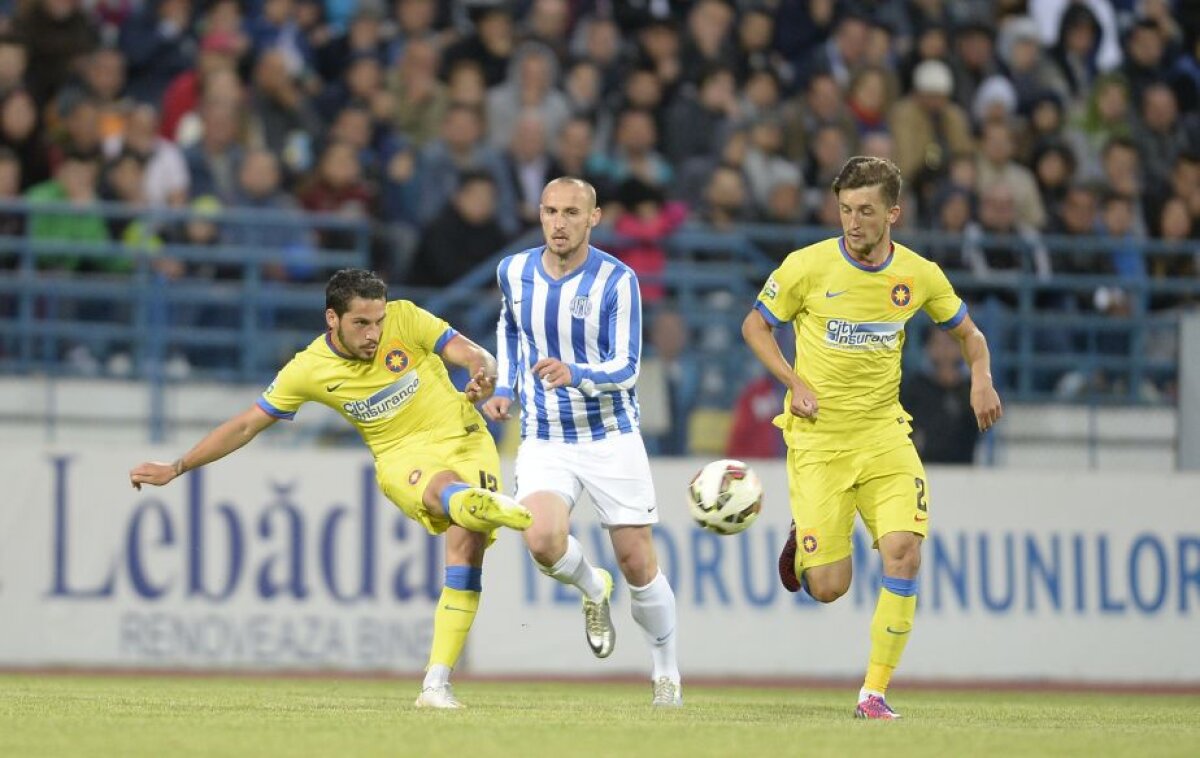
(725,497)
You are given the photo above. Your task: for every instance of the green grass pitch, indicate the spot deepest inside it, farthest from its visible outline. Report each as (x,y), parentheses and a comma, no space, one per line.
(212,716)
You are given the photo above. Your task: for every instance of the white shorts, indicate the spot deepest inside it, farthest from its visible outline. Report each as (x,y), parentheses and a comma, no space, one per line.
(614,471)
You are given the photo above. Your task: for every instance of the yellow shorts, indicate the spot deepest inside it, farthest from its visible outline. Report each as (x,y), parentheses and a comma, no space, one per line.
(887,486)
(404,473)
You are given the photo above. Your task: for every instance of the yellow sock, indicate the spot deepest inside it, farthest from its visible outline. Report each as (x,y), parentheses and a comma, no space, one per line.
(451,623)
(890,629)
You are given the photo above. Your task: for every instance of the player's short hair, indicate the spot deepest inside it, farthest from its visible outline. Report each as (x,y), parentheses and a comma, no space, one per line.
(869,171)
(349,283)
(586,186)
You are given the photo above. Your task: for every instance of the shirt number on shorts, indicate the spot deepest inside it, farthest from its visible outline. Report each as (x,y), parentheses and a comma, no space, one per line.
(922,503)
(488,481)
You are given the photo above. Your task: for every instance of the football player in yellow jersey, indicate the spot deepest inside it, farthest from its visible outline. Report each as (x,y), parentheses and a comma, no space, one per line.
(380,365)
(848,299)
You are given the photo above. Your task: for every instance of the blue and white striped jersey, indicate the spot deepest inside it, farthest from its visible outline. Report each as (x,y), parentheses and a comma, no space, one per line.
(590,319)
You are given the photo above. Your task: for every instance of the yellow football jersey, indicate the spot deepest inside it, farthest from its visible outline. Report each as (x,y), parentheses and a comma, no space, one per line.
(849,321)
(403,391)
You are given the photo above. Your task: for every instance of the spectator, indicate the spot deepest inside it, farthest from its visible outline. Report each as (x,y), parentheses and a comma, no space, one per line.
(644,220)
(1077,49)
(869,100)
(698,122)
(843,53)
(633,152)
(1107,115)
(823,105)
(337,187)
(14,60)
(531,86)
(928,128)
(75,182)
(998,216)
(459,148)
(974,60)
(529,166)
(708,40)
(548,22)
(212,163)
(218,54)
(277,31)
(1162,134)
(491,43)
(675,371)
(463,235)
(1054,169)
(258,189)
(996,166)
(12,224)
(726,200)
(938,397)
(282,117)
(764,163)
(995,100)
(1029,69)
(659,50)
(19,132)
(420,100)
(1145,57)
(753,433)
(56,34)
(1121,160)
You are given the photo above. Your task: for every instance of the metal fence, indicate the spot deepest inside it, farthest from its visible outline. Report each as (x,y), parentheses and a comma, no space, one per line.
(1049,339)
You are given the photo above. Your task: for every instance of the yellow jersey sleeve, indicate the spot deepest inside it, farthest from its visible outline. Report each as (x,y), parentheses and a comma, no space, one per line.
(782,297)
(427,330)
(284,396)
(942,305)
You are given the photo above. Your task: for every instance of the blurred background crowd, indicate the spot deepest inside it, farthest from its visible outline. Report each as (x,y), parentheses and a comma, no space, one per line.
(439,123)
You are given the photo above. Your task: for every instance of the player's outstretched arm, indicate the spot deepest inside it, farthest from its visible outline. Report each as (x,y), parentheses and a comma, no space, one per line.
(479,362)
(218,443)
(985,401)
(758,335)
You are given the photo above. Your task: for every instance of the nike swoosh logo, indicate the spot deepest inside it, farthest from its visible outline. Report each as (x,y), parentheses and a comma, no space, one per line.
(665,637)
(332,387)
(651,510)
(460,610)
(835,294)
(893,631)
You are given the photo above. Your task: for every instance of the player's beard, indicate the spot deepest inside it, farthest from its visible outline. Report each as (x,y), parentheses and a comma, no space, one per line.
(864,247)
(358,352)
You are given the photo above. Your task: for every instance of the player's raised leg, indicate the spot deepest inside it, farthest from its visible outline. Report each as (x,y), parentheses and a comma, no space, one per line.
(560,556)
(454,616)
(473,508)
(653,605)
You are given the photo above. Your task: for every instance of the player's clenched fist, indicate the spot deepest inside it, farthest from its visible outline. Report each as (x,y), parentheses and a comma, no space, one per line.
(496,409)
(804,402)
(986,404)
(553,373)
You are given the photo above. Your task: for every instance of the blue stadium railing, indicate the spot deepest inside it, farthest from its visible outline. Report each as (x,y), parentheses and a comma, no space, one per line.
(242,327)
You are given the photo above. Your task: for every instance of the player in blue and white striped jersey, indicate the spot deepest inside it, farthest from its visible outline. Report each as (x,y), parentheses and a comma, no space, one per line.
(569,345)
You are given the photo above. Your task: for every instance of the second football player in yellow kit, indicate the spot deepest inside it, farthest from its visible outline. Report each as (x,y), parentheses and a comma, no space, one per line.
(848,299)
(380,365)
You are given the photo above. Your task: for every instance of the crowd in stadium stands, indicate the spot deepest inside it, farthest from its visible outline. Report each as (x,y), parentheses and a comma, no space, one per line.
(441,121)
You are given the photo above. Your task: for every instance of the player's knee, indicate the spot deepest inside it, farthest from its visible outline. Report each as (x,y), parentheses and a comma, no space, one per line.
(824,594)
(638,567)
(545,546)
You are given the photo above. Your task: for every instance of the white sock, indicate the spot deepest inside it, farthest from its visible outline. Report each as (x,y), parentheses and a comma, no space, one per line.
(438,675)
(864,692)
(653,609)
(573,569)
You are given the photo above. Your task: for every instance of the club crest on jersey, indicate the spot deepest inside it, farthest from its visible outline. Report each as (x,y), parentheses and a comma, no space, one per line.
(581,307)
(809,543)
(396,361)
(901,294)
